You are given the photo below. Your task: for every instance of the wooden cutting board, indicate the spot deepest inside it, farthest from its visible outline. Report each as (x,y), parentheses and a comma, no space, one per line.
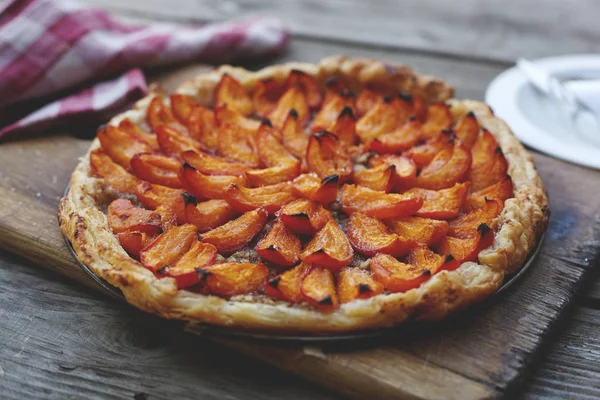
(485,353)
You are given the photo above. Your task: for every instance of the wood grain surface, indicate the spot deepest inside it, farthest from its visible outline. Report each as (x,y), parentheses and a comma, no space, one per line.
(61,340)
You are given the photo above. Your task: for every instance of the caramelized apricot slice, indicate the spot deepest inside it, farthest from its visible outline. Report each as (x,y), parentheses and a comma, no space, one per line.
(265,96)
(318,289)
(308,85)
(157,168)
(270,151)
(286,286)
(326,156)
(304,217)
(182,106)
(113,174)
(376,178)
(169,247)
(293,136)
(237,233)
(125,217)
(378,204)
(168,219)
(329,248)
(367,99)
(466,225)
(237,144)
(231,279)
(381,119)
(203,127)
(121,146)
(483,149)
(422,257)
(441,204)
(159,114)
(502,191)
(134,242)
(467,249)
(421,230)
(280,246)
(397,276)
(130,127)
(447,168)
(399,140)
(489,173)
(231,93)
(437,119)
(185,271)
(270,198)
(467,129)
(153,195)
(370,236)
(345,127)
(225,115)
(212,165)
(322,191)
(173,142)
(404,173)
(292,99)
(424,153)
(205,216)
(355,283)
(273,175)
(206,187)
(332,109)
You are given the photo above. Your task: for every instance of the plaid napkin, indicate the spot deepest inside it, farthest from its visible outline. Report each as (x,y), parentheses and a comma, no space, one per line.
(61,62)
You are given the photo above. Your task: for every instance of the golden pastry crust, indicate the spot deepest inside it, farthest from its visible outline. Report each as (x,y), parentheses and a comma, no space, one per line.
(520,225)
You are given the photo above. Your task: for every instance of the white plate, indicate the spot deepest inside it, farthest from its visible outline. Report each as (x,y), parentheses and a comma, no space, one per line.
(538,121)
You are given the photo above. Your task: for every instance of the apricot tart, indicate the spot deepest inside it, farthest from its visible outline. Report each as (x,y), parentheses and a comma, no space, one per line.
(334,197)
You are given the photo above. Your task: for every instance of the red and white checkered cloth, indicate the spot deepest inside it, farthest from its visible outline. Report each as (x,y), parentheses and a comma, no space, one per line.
(60,61)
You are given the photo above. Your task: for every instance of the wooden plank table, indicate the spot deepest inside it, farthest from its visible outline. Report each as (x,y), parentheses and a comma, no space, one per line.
(61,340)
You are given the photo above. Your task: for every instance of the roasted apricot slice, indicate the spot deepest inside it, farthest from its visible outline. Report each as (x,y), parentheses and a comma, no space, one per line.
(332,109)
(270,150)
(502,191)
(329,248)
(152,195)
(182,106)
(273,175)
(422,154)
(370,236)
(169,247)
(225,115)
(421,230)
(422,257)
(483,149)
(355,283)
(381,119)
(280,246)
(467,249)
(397,276)
(322,191)
(129,126)
(286,286)
(399,140)
(113,174)
(304,217)
(447,168)
(265,96)
(121,146)
(231,279)
(270,198)
(344,127)
(405,170)
(134,242)
(237,144)
(292,99)
(380,177)
(203,127)
(308,85)
(293,136)
(125,217)
(437,119)
(379,204)
(490,173)
(212,165)
(467,129)
(173,142)
(231,93)
(326,156)
(237,233)
(168,218)
(159,114)
(466,225)
(367,99)
(206,187)
(441,204)
(205,216)
(318,289)
(186,269)
(157,168)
